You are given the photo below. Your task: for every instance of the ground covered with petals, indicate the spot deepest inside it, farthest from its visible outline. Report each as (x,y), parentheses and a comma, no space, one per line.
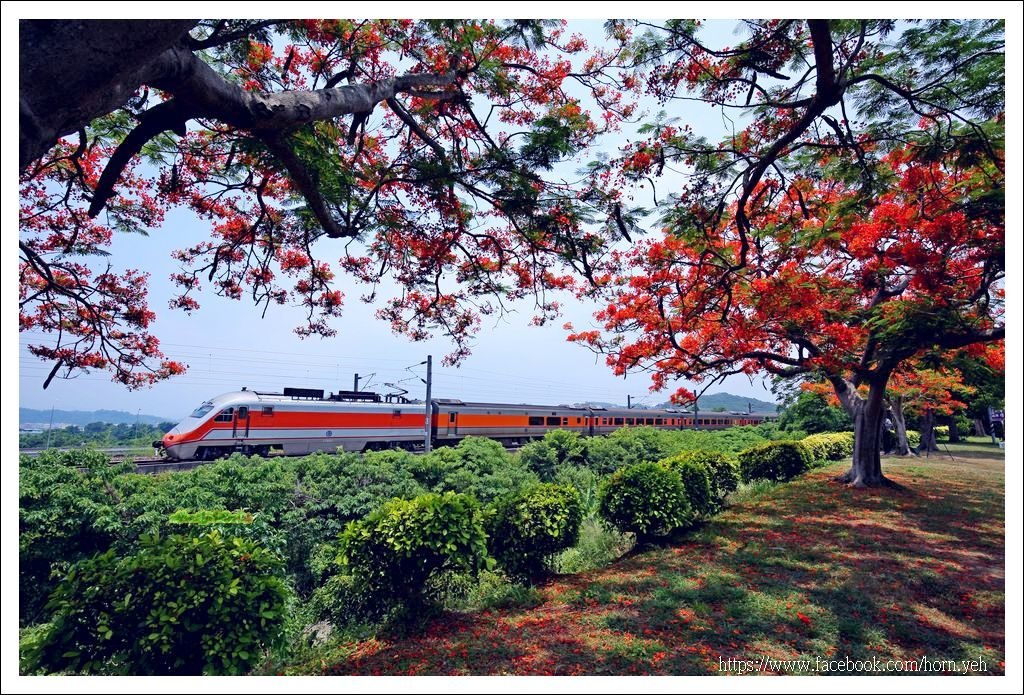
(811,570)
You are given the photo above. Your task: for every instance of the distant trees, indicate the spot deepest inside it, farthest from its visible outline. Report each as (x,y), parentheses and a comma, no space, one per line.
(100,434)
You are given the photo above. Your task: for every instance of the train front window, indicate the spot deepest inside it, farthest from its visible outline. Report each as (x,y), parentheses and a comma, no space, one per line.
(202,410)
(225,415)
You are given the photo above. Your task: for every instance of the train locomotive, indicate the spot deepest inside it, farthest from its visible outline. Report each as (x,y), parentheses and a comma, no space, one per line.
(305,421)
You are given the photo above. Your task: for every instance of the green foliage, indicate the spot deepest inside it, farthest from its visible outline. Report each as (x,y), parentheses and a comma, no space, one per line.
(64,516)
(477,466)
(696,479)
(183,605)
(495,591)
(942,432)
(723,475)
(646,499)
(913,439)
(811,412)
(586,482)
(558,447)
(832,446)
(396,550)
(540,457)
(332,490)
(778,461)
(97,434)
(598,546)
(526,528)
(633,445)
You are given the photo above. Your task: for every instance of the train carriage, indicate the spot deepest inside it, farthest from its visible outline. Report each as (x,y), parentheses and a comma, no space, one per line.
(304,421)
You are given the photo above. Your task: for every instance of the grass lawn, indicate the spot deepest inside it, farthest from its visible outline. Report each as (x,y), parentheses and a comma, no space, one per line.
(809,570)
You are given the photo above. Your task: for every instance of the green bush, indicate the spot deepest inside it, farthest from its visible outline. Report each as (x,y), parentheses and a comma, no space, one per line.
(332,490)
(540,457)
(777,461)
(723,474)
(526,528)
(830,446)
(558,447)
(604,455)
(646,499)
(942,432)
(64,516)
(478,466)
(697,480)
(585,480)
(913,439)
(396,550)
(183,605)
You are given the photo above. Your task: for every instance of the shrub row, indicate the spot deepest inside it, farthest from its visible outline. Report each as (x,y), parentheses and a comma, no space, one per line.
(776,461)
(830,446)
(656,499)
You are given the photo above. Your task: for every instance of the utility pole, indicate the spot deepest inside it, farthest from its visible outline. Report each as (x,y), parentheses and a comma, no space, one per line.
(426,421)
(629,402)
(49,429)
(355,383)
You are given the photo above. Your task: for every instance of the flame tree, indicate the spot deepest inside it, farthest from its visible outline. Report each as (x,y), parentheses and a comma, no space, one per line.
(856,221)
(314,150)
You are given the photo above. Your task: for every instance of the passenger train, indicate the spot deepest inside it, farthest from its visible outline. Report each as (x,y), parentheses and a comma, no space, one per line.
(304,421)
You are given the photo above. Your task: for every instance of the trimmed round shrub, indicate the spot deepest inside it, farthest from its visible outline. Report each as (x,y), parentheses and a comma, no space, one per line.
(646,499)
(776,461)
(525,529)
(395,551)
(185,605)
(942,432)
(697,480)
(723,474)
(913,439)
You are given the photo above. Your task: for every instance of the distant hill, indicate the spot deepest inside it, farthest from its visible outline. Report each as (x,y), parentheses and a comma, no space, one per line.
(732,403)
(31,416)
(709,402)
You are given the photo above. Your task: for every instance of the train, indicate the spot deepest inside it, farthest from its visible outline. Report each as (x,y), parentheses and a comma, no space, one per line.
(301,421)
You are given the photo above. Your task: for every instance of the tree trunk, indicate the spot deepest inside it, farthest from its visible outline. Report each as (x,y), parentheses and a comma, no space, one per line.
(954,431)
(868,415)
(979,427)
(928,442)
(900,422)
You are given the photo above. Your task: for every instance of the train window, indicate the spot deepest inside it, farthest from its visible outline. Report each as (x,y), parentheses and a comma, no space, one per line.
(554,421)
(536,421)
(579,420)
(619,421)
(629,421)
(650,421)
(202,410)
(225,415)
(660,421)
(243,412)
(268,410)
(451,416)
(396,413)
